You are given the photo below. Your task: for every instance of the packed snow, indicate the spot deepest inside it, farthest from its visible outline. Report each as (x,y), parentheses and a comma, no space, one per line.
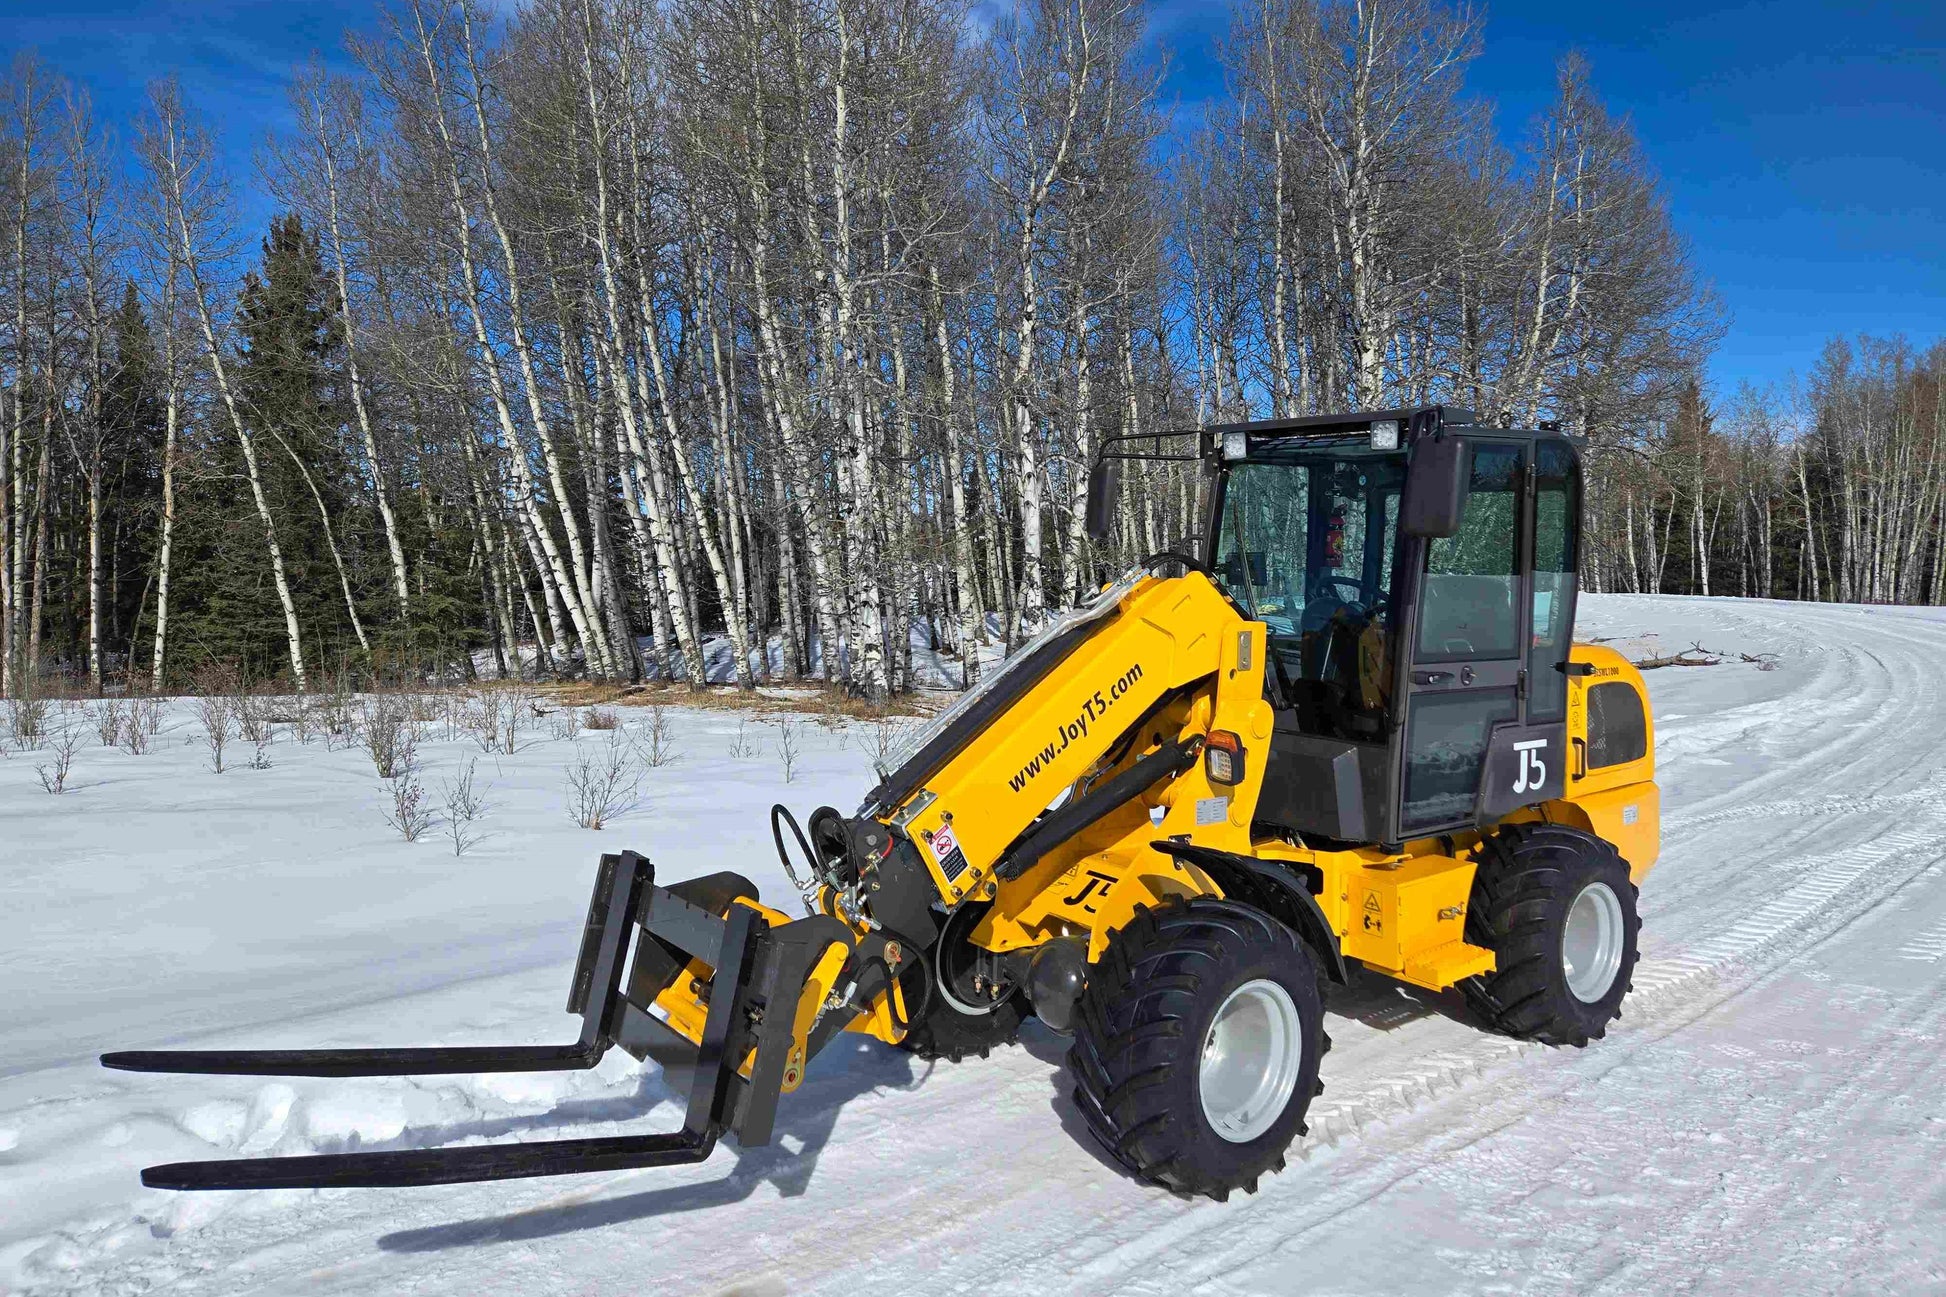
(1766,1117)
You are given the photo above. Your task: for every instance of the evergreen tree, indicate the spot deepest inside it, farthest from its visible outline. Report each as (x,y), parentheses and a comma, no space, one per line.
(132,433)
(289,377)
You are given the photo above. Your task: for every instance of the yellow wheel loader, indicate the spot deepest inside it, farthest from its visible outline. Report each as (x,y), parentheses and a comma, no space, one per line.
(1350,728)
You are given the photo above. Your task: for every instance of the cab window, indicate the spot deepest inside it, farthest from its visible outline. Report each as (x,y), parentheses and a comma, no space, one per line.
(1306,545)
(1557,510)
(1468,610)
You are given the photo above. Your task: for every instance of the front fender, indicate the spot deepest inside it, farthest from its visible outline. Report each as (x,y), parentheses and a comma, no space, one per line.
(1272,889)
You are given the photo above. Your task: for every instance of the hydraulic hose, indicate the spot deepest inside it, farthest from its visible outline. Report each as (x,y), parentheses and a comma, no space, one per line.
(780,815)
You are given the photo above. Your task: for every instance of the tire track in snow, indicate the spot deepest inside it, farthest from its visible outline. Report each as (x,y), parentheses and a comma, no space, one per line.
(1836,887)
(1929,947)
(1196,1259)
(1194,1243)
(971,1178)
(1828,878)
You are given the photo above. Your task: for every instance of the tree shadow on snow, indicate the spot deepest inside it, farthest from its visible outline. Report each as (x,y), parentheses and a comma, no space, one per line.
(851,1066)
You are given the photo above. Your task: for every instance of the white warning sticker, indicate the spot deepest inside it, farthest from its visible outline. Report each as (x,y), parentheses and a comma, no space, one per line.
(1212,810)
(945,849)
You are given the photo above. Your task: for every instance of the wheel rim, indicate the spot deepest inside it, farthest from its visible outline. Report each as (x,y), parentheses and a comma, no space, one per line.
(1591,942)
(1250,1060)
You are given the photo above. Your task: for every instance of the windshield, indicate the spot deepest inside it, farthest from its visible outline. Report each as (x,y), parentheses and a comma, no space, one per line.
(1306,544)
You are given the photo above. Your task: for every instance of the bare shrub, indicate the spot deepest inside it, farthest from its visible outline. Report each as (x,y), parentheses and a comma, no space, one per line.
(62,744)
(603,782)
(790,736)
(390,735)
(466,804)
(146,712)
(743,744)
(410,809)
(564,722)
(336,712)
(655,741)
(135,734)
(496,716)
(253,718)
(215,691)
(303,717)
(520,705)
(27,712)
(454,707)
(887,735)
(519,708)
(602,718)
(109,715)
(482,720)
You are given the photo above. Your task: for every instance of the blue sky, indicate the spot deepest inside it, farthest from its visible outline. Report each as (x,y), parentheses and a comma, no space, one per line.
(1802,144)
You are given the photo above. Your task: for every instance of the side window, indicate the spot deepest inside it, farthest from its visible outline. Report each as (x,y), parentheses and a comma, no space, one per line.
(1261,540)
(1557,514)
(1468,607)
(1617,730)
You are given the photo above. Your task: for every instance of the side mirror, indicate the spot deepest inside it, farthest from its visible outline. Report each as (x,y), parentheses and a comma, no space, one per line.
(1435,487)
(1101,493)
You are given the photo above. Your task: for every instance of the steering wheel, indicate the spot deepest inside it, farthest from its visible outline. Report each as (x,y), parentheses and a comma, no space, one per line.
(1324,603)
(1352,584)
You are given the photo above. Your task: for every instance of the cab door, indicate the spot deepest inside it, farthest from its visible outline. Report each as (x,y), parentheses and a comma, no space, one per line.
(1467,639)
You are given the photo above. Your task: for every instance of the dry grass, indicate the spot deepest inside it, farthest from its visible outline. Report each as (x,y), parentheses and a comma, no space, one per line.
(770,700)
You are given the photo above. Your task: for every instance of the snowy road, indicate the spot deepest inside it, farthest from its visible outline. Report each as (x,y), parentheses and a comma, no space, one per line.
(1769,1115)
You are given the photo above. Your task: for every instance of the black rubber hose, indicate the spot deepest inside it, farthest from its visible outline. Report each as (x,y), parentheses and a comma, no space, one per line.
(901,1020)
(1176,556)
(780,815)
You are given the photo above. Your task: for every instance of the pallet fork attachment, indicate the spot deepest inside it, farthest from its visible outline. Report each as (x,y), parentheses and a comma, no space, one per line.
(756,963)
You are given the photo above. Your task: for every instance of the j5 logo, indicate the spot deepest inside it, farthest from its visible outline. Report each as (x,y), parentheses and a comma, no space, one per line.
(1533,771)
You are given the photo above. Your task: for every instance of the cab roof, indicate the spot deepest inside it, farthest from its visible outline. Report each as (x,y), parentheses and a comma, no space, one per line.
(1414,422)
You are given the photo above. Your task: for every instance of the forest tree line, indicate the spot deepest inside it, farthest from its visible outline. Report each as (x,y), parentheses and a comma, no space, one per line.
(678,338)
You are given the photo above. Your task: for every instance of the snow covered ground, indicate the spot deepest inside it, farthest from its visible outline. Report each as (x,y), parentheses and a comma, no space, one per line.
(1768,1116)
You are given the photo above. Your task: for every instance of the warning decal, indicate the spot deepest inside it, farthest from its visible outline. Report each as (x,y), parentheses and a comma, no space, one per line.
(952,861)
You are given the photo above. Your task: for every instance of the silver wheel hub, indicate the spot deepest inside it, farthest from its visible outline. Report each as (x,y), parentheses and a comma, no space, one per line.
(1251,1059)
(1591,942)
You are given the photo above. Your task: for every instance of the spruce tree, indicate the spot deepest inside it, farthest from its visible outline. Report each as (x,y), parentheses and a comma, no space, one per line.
(132,433)
(289,377)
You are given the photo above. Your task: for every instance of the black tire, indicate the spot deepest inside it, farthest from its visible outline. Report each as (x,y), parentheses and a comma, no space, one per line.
(946,1033)
(1528,879)
(1140,1033)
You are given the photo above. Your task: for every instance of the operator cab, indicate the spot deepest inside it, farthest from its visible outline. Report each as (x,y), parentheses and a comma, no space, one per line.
(1415,570)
